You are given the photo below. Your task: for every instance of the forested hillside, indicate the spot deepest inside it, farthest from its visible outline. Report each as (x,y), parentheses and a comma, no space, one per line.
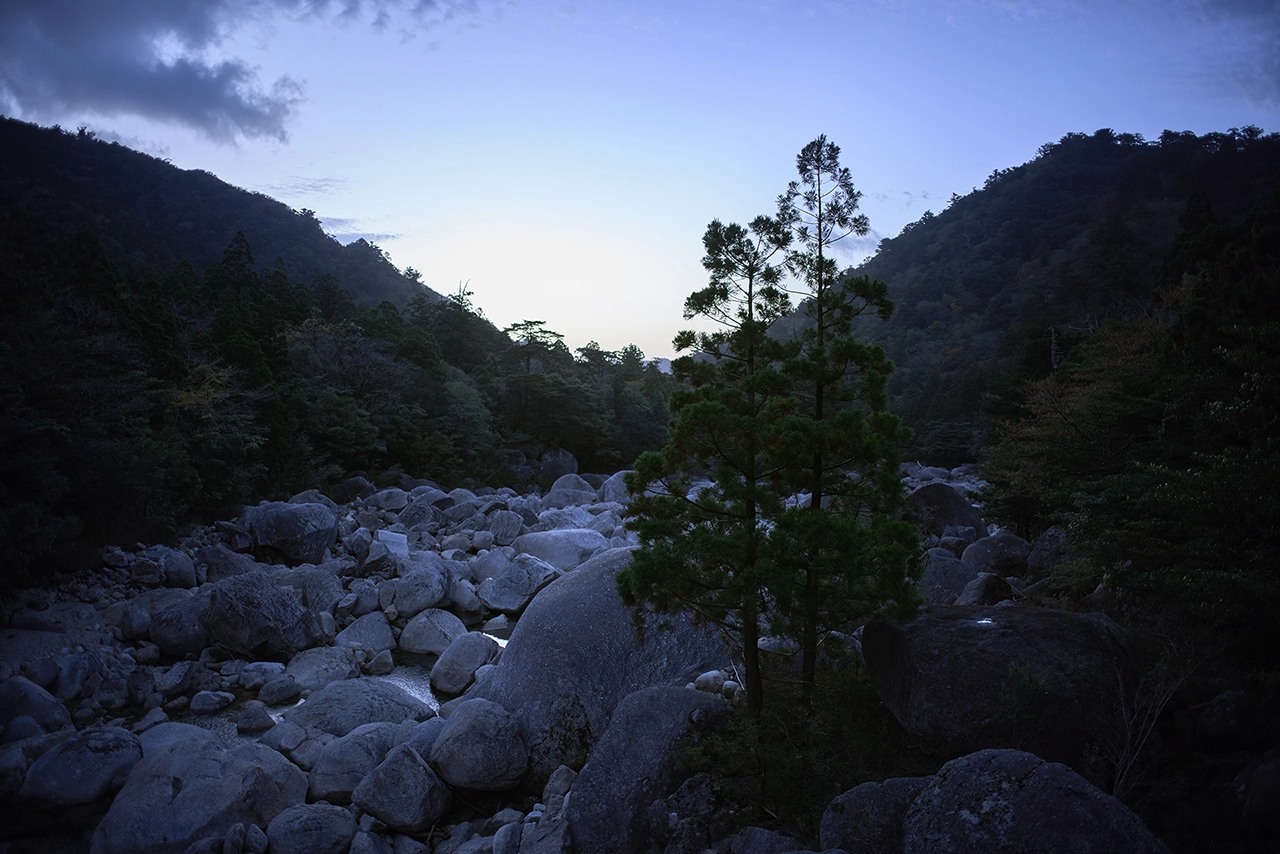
(149,215)
(1040,255)
(138,395)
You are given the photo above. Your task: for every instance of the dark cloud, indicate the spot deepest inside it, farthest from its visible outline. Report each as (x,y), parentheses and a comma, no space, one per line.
(151,58)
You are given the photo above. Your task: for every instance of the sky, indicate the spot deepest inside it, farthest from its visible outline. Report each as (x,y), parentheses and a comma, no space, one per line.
(561,160)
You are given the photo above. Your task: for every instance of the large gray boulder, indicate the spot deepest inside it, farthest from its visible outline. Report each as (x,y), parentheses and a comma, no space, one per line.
(505,525)
(1001,554)
(937,506)
(564,549)
(1010,676)
(190,789)
(615,489)
(22,698)
(345,761)
(1051,549)
(181,629)
(217,562)
(177,568)
(868,819)
(480,748)
(298,533)
(457,665)
(431,632)
(371,633)
(632,767)
(403,792)
(944,578)
(513,590)
(81,769)
(317,587)
(312,669)
(580,618)
(1015,803)
(311,829)
(252,617)
(422,587)
(340,707)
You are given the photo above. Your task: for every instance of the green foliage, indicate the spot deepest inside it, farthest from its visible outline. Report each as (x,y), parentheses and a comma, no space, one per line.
(763,422)
(783,768)
(1156,439)
(1069,240)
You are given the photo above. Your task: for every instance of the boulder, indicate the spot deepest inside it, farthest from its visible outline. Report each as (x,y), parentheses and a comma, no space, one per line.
(944,578)
(22,698)
(935,506)
(311,829)
(512,591)
(632,766)
(340,707)
(979,677)
(564,549)
(457,665)
(1002,554)
(420,588)
(480,748)
(868,818)
(371,633)
(81,769)
(615,489)
(987,589)
(1051,549)
(252,617)
(1010,801)
(317,587)
(277,692)
(562,518)
(556,462)
(298,533)
(431,632)
(345,761)
(580,618)
(176,568)
(505,525)
(189,789)
(403,792)
(564,497)
(180,629)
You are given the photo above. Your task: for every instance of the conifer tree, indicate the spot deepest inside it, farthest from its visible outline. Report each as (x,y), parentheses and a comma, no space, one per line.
(844,554)
(703,544)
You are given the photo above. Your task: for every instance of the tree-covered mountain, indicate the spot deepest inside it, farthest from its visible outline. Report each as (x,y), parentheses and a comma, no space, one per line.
(149,215)
(990,291)
(141,391)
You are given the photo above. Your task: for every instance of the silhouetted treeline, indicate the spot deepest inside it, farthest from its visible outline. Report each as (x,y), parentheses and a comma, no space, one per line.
(132,405)
(1042,252)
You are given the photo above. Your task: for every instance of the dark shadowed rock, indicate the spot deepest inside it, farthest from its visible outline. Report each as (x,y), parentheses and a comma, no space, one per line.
(937,506)
(987,589)
(218,562)
(1051,549)
(371,633)
(944,578)
(403,792)
(251,616)
(457,665)
(431,632)
(20,697)
(299,533)
(180,629)
(580,618)
(564,549)
(1002,554)
(342,706)
(188,789)
(315,668)
(81,769)
(345,761)
(317,587)
(632,767)
(311,829)
(982,677)
(1010,801)
(519,582)
(480,748)
(868,818)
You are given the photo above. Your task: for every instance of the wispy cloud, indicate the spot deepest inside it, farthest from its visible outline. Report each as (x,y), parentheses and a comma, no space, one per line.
(160,60)
(345,230)
(300,185)
(1254,24)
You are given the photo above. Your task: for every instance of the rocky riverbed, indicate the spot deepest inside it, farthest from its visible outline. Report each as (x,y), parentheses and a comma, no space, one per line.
(410,669)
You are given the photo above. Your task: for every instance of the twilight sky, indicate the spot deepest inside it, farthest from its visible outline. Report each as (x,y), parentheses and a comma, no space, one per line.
(564,158)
